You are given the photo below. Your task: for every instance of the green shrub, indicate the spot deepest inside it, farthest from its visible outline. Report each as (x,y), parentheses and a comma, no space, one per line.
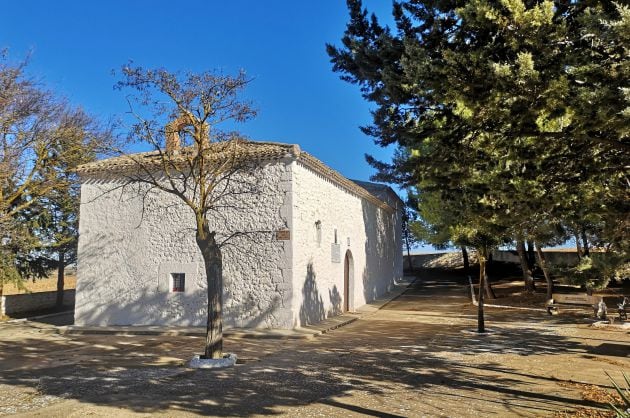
(597,271)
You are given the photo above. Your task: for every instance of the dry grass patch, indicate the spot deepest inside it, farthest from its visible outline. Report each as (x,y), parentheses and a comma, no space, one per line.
(591,393)
(48,284)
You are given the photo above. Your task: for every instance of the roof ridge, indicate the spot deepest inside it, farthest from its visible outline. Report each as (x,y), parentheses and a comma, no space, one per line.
(270,151)
(319,167)
(124,161)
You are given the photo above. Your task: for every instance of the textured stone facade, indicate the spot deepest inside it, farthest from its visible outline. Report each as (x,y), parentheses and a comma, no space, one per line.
(129,247)
(131,243)
(371,235)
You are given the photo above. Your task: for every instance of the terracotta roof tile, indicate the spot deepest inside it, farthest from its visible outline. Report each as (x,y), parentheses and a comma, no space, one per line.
(247,150)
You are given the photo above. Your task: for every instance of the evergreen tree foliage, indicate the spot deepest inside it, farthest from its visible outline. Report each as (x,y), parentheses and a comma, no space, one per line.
(512,114)
(42,140)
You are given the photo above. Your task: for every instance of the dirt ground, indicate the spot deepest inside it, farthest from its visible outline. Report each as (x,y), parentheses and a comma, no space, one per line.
(417,356)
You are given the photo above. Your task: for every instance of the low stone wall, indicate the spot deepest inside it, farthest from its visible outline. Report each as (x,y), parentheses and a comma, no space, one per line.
(551,257)
(25,302)
(454,259)
(437,260)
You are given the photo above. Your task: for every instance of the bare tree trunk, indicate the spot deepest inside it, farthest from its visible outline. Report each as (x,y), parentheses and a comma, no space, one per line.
(481,326)
(527,273)
(408,251)
(1,295)
(61,267)
(465,257)
(586,251)
(543,266)
(531,255)
(578,247)
(486,284)
(211,253)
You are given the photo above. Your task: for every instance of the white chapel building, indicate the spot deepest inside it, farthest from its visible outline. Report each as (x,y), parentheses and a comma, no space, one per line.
(332,245)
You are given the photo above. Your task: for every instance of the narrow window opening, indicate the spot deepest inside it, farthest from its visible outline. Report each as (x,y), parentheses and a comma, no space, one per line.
(179,282)
(336,242)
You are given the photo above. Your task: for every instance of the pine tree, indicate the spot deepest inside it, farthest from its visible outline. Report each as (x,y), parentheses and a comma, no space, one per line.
(518,108)
(36,162)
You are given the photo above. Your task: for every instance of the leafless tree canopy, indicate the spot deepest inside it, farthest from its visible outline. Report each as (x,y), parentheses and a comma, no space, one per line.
(180,118)
(42,140)
(210,170)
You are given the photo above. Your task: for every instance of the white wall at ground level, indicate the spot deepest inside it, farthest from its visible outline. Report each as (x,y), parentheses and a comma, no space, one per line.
(371,234)
(127,251)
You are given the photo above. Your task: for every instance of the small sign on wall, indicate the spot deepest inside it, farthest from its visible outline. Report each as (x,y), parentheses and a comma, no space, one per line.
(283,235)
(335,253)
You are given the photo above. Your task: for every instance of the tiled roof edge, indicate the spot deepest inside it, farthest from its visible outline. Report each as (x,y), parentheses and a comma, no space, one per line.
(117,166)
(322,169)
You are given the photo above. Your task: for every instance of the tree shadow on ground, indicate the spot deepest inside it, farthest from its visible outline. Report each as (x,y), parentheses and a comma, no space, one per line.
(376,356)
(298,375)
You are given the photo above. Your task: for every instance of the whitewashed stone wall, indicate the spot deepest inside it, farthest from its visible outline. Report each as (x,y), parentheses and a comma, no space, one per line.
(26,302)
(126,255)
(371,234)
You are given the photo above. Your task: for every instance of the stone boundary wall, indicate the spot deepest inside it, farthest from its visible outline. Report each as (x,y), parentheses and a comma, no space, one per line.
(26,302)
(420,261)
(551,257)
(454,259)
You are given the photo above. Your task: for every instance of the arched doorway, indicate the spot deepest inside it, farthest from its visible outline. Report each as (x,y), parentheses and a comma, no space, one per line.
(348,281)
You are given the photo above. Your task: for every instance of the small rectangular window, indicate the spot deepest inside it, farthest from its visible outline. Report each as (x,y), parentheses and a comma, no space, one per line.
(179,281)
(336,242)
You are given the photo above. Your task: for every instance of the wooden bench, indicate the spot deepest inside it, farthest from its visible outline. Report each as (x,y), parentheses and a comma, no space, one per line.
(576,299)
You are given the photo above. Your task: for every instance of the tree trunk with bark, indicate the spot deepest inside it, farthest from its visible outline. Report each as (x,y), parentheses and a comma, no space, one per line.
(543,266)
(466,262)
(409,261)
(61,271)
(489,290)
(527,273)
(213,263)
(481,326)
(531,255)
(578,247)
(585,249)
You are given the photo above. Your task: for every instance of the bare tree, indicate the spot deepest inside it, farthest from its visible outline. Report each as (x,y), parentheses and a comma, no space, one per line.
(42,139)
(178,116)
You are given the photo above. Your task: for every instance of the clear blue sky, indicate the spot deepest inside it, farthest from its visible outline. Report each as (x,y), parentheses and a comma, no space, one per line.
(75,45)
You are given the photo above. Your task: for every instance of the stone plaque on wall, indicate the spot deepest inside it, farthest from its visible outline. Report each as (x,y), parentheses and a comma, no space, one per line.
(283,235)
(335,253)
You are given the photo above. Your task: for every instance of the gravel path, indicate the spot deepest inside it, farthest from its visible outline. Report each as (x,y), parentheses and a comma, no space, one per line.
(414,357)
